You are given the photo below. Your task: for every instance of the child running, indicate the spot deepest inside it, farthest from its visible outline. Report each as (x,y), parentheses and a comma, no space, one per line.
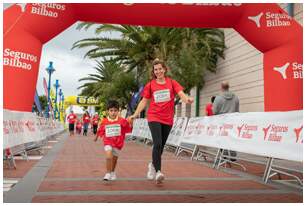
(79,126)
(112,129)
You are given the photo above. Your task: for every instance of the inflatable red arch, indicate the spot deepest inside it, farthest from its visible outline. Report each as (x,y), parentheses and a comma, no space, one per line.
(266,26)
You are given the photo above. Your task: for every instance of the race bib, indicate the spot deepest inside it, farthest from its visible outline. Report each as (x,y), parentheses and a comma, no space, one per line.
(71,117)
(112,130)
(162,95)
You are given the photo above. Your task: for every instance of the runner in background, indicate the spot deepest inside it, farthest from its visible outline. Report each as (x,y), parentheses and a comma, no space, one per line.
(95,121)
(86,121)
(71,120)
(79,126)
(160,92)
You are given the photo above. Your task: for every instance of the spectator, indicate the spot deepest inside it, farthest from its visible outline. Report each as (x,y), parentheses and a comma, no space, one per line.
(226,102)
(209,107)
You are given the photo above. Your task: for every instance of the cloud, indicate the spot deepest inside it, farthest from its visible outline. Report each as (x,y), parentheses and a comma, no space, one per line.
(70,65)
(69,68)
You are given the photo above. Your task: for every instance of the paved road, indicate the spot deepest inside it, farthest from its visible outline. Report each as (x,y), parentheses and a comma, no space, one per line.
(73,169)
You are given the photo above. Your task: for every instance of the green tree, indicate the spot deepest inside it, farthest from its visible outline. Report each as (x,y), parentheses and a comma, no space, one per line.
(43,101)
(189,52)
(138,46)
(109,82)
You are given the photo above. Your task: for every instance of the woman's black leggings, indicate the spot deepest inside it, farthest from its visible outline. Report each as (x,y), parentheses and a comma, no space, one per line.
(160,133)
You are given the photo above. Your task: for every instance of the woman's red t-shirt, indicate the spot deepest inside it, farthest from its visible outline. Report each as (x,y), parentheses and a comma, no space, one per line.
(162,96)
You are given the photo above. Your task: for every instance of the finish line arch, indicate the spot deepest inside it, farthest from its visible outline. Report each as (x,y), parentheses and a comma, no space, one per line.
(266,26)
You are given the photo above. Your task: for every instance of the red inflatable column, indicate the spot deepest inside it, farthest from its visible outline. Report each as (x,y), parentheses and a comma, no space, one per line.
(21,56)
(283,72)
(26,28)
(279,37)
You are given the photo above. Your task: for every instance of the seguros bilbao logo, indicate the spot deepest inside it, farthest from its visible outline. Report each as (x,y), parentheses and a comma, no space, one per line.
(274,132)
(270,19)
(296,70)
(18,59)
(48,9)
(298,134)
(244,131)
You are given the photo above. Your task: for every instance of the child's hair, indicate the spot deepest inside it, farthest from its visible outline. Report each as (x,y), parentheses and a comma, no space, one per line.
(112,104)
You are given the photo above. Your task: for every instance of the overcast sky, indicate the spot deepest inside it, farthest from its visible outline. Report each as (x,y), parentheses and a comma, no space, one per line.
(70,65)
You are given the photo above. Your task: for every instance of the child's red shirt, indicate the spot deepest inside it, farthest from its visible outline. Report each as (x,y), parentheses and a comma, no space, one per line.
(113,132)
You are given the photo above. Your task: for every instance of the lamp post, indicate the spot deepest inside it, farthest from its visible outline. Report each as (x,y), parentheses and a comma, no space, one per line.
(60,104)
(50,70)
(63,98)
(56,85)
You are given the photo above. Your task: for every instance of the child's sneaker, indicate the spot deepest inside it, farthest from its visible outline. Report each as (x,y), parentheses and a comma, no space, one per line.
(113,176)
(107,176)
(151,171)
(159,177)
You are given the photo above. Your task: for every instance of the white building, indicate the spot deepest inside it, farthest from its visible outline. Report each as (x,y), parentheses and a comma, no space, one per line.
(242,68)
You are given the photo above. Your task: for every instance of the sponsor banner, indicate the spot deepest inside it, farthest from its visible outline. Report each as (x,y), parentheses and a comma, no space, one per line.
(272,134)
(24,127)
(177,131)
(141,129)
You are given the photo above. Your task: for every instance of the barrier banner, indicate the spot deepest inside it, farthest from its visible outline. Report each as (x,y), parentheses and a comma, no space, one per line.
(272,134)
(266,26)
(177,131)
(24,127)
(18,127)
(141,129)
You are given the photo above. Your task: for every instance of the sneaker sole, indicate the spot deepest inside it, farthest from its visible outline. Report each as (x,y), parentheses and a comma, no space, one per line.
(160,179)
(149,178)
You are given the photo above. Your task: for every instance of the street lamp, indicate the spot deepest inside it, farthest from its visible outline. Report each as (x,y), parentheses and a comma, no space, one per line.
(56,85)
(63,98)
(60,104)
(50,70)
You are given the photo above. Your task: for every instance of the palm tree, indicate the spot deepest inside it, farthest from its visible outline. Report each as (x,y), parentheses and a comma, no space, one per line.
(188,51)
(109,82)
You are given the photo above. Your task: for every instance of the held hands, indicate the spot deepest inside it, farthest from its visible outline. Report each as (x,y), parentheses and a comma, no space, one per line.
(131,118)
(190,100)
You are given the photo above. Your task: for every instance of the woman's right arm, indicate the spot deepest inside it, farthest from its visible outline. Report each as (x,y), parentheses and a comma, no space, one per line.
(141,106)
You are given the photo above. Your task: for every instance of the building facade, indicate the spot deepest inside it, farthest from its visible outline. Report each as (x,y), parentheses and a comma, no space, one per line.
(242,68)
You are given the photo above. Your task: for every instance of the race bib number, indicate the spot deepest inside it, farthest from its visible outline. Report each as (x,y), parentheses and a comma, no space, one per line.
(112,130)
(162,96)
(71,117)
